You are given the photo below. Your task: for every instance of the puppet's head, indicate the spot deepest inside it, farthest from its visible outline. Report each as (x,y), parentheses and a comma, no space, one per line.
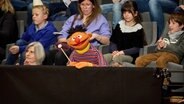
(79,40)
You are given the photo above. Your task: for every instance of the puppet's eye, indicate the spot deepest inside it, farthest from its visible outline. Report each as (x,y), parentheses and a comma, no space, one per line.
(73,39)
(79,36)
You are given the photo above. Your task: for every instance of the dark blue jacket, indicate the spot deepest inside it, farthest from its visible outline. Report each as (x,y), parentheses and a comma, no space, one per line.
(45,36)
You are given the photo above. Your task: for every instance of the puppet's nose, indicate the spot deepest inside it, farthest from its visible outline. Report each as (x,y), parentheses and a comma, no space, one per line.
(77,40)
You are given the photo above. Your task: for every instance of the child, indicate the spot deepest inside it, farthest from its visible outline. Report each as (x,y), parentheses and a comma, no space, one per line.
(128,36)
(41,30)
(34,54)
(169,48)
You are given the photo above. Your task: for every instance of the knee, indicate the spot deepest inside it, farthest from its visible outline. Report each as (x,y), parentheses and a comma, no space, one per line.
(29,7)
(139,61)
(108,57)
(116,7)
(161,63)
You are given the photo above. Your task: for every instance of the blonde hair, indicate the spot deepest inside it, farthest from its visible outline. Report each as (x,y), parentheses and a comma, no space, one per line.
(44,9)
(38,51)
(7,6)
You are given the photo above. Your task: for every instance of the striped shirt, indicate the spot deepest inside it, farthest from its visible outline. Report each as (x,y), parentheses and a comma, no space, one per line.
(92,55)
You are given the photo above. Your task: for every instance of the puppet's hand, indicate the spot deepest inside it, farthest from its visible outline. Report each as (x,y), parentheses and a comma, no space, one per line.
(72,64)
(80,65)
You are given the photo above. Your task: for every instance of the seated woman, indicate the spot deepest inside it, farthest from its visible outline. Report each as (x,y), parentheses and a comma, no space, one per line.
(34,54)
(8,26)
(91,18)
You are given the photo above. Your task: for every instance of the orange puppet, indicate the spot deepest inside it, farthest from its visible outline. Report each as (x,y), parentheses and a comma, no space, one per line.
(84,54)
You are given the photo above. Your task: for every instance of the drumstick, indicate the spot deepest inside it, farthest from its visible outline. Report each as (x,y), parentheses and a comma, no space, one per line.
(60,46)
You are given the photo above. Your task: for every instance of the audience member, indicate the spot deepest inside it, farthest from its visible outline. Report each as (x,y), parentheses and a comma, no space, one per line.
(91,18)
(169,48)
(41,30)
(34,54)
(128,36)
(8,26)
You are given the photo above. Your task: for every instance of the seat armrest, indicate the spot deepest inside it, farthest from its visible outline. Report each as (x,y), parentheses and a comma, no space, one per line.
(103,48)
(148,49)
(7,48)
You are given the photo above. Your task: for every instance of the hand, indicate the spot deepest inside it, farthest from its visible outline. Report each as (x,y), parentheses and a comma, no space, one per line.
(117,53)
(26,62)
(80,65)
(182,7)
(160,43)
(94,36)
(60,40)
(72,64)
(114,52)
(14,49)
(116,1)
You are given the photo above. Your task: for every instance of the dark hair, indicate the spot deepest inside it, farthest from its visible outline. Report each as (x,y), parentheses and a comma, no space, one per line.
(78,28)
(177,17)
(131,6)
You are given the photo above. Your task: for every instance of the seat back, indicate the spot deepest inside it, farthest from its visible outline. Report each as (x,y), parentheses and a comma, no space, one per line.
(22,15)
(145,16)
(20,24)
(150,29)
(58,24)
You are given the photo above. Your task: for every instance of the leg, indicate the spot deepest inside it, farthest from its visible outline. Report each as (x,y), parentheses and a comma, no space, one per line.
(73,8)
(106,8)
(123,58)
(11,59)
(168,6)
(117,16)
(143,61)
(166,57)
(179,10)
(2,54)
(156,14)
(108,57)
(19,5)
(142,5)
(157,9)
